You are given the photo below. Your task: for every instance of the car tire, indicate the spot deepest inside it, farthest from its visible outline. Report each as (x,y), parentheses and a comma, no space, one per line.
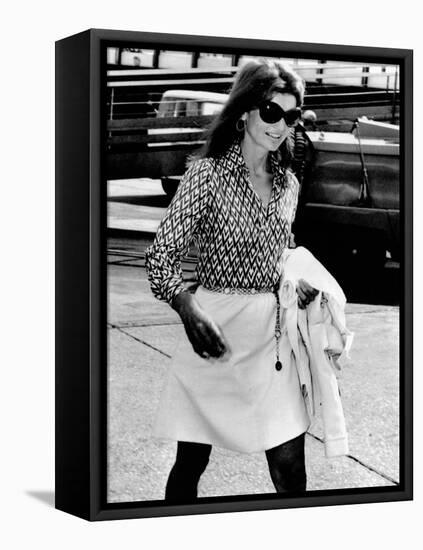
(169,186)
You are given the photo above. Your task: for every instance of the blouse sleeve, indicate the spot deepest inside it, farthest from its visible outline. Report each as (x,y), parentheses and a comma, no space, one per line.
(176,231)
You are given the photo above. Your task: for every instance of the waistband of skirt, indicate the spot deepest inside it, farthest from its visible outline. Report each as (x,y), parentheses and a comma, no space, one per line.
(242,291)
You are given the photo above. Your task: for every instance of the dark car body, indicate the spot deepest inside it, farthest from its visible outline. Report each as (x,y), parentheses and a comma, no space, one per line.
(335,218)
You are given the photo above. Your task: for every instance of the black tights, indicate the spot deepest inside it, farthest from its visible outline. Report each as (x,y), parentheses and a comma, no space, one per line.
(191,461)
(286,467)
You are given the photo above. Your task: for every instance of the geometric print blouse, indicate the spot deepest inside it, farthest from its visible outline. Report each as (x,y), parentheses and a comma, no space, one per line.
(240,242)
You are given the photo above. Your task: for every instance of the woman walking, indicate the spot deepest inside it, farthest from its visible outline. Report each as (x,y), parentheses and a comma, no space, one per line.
(233,381)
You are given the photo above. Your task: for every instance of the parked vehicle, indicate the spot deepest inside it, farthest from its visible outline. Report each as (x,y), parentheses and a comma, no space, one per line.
(186,103)
(350,194)
(176,103)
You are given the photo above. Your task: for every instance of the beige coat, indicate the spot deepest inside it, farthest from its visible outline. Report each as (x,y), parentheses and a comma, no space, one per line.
(320,342)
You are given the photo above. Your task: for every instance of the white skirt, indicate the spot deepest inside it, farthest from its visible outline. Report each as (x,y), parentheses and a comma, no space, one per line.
(239,402)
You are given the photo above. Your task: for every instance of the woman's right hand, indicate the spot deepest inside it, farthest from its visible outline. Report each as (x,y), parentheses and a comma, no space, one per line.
(203,333)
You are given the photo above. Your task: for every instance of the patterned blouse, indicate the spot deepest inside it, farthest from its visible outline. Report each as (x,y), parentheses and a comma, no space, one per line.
(240,242)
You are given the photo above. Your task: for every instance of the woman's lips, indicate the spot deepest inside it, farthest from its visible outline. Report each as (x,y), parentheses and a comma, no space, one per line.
(273,135)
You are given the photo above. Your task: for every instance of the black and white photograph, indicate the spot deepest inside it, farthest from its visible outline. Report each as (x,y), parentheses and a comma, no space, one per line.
(254,274)
(210,303)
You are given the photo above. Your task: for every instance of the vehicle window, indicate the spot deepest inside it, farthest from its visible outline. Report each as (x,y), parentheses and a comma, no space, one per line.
(167,108)
(181,108)
(209,108)
(193,108)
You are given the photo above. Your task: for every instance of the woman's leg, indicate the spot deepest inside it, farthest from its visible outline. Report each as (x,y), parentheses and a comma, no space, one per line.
(191,461)
(287,466)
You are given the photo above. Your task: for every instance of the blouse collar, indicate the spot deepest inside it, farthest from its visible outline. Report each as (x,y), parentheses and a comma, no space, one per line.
(234,159)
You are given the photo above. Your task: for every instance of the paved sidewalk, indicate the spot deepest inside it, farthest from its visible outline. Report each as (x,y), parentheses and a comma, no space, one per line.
(128,206)
(143,333)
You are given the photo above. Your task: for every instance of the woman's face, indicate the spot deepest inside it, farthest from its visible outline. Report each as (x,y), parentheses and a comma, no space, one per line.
(265,136)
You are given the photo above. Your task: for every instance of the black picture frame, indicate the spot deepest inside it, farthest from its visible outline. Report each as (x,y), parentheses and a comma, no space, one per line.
(81,283)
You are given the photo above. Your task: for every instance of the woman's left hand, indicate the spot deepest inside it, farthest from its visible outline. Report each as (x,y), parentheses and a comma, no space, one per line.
(306,293)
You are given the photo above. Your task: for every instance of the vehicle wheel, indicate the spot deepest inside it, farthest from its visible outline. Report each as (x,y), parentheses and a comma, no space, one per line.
(169,186)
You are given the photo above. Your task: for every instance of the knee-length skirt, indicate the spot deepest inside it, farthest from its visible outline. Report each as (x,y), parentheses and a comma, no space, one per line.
(241,401)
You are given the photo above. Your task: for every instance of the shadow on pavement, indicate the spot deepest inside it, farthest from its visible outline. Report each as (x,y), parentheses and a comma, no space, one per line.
(375,287)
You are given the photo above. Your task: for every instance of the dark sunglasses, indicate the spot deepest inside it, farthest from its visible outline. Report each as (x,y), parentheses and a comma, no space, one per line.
(271,112)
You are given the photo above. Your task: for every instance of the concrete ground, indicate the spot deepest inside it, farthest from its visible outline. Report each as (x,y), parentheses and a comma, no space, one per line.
(142,334)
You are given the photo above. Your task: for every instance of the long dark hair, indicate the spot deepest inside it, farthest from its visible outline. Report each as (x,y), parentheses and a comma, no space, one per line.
(256,81)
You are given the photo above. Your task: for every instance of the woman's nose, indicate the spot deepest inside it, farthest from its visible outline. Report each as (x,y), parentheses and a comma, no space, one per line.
(281,127)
